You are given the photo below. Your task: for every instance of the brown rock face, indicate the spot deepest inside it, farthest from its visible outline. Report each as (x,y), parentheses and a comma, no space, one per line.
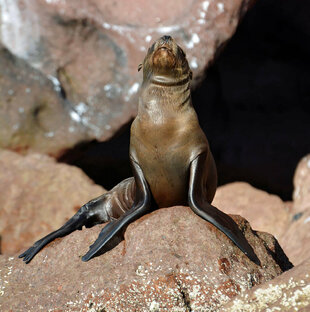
(91,49)
(288,292)
(171,260)
(265,212)
(37,196)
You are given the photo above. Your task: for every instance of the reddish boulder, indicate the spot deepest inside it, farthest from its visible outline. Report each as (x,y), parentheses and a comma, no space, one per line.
(91,49)
(170,260)
(37,196)
(265,212)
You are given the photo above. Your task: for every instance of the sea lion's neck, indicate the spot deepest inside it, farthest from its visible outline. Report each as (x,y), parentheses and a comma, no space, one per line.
(165,95)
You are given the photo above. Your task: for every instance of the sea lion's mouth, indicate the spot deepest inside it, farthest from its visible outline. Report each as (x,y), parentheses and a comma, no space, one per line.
(164,48)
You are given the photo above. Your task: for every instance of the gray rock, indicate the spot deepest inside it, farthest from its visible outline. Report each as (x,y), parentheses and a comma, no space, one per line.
(33,116)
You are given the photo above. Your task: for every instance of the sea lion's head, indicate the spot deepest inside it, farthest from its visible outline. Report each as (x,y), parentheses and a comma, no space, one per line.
(165,58)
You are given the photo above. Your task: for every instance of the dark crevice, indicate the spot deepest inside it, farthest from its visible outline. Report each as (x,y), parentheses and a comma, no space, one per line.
(185,295)
(62,92)
(278,254)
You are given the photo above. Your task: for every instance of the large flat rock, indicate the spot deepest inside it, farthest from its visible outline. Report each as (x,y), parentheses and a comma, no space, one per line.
(170,260)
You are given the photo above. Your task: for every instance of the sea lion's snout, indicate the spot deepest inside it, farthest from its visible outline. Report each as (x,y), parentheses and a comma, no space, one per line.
(164,52)
(165,57)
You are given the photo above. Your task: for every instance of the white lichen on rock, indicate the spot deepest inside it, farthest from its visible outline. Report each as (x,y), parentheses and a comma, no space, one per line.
(290,296)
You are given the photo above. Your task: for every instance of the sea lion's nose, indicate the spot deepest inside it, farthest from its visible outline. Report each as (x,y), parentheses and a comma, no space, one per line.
(166,38)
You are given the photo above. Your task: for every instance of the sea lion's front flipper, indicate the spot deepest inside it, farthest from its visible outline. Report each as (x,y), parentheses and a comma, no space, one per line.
(141,206)
(198,203)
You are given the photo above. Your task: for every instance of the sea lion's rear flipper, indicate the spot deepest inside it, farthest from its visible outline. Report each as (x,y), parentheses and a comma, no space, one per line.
(101,209)
(88,215)
(96,211)
(141,206)
(198,203)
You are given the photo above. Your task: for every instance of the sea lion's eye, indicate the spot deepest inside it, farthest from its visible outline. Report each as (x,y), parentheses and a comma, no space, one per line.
(140,67)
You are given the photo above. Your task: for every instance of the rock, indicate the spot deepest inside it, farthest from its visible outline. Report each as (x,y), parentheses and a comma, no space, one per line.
(32,114)
(265,212)
(295,240)
(301,195)
(37,196)
(288,292)
(91,49)
(171,260)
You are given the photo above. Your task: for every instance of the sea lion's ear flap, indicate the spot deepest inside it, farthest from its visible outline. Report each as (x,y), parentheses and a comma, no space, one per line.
(190,75)
(140,67)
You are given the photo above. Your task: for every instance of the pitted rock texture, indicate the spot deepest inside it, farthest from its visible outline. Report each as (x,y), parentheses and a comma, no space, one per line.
(171,260)
(265,212)
(288,292)
(91,50)
(37,196)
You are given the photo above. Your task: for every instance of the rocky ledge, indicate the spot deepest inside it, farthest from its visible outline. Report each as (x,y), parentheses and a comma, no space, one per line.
(170,260)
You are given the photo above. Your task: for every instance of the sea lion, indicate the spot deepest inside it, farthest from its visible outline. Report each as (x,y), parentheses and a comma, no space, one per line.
(170,158)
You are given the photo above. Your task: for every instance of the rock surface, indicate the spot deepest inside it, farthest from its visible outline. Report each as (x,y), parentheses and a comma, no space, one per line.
(301,195)
(37,196)
(171,260)
(32,114)
(91,49)
(288,292)
(265,212)
(295,239)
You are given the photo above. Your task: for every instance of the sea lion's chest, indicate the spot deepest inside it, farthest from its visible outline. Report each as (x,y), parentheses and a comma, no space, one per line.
(164,151)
